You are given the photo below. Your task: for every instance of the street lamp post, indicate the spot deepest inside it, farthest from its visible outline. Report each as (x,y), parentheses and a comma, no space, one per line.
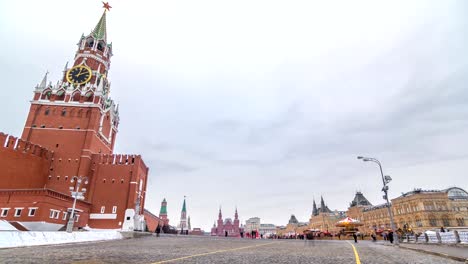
(76,194)
(385,180)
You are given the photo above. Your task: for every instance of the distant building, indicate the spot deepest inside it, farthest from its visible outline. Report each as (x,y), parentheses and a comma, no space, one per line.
(253,224)
(228,227)
(417,210)
(324,219)
(294,227)
(197,232)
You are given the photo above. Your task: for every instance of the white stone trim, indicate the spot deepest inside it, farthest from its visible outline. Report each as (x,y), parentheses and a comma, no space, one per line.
(102,216)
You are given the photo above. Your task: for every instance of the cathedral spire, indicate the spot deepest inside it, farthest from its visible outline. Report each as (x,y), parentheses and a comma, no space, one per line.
(322,204)
(314,209)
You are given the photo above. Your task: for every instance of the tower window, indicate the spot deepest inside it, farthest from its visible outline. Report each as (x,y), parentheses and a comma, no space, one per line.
(60,127)
(99,47)
(34,126)
(103,208)
(46,112)
(56,145)
(64,112)
(42,126)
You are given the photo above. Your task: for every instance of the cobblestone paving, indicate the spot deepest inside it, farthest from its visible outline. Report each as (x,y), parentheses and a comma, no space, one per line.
(215,250)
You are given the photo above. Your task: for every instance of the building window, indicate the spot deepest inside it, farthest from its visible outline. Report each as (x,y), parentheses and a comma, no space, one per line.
(18,212)
(114,209)
(46,112)
(64,112)
(54,213)
(32,211)
(5,212)
(64,217)
(461,222)
(432,222)
(42,126)
(103,208)
(446,222)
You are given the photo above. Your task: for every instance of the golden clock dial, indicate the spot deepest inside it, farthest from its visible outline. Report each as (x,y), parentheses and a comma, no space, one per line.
(79,74)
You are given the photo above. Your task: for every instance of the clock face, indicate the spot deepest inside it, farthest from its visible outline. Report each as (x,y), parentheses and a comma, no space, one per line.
(79,74)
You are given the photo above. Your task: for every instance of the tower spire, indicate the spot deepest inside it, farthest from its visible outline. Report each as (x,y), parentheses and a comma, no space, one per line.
(314,209)
(99,32)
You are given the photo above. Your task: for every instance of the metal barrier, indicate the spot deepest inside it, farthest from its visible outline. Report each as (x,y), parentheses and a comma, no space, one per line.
(452,237)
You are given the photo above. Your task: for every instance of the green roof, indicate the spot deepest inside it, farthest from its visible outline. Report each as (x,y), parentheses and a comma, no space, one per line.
(184,208)
(99,31)
(163,210)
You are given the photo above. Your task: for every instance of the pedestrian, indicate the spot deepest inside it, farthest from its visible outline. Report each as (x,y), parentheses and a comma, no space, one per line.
(339,236)
(442,229)
(390,237)
(158,230)
(355,237)
(385,236)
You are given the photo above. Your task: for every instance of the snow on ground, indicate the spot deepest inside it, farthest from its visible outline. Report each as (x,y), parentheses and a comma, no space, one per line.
(36,238)
(4,225)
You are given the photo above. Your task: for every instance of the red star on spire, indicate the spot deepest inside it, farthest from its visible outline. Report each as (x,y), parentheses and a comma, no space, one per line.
(106,6)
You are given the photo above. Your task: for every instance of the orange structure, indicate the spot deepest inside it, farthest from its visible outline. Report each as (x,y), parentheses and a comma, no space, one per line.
(70,131)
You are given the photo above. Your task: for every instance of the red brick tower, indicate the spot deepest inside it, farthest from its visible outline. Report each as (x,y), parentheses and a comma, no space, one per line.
(76,118)
(70,131)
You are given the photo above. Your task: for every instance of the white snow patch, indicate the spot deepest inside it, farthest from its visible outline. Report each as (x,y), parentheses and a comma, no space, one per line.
(5,226)
(31,238)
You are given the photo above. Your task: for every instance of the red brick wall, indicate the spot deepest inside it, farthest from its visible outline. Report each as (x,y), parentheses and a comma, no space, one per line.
(152,221)
(115,182)
(25,166)
(43,200)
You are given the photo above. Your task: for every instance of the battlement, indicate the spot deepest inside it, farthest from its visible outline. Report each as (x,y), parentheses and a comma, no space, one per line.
(17,144)
(116,159)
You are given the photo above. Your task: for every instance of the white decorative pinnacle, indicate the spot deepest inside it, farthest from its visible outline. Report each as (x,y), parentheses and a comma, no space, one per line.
(43,83)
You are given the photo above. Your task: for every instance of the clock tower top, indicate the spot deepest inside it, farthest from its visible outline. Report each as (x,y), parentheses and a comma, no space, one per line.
(81,98)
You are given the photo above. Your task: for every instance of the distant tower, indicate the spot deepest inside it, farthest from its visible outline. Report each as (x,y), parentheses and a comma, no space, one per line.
(220,231)
(188,223)
(183,217)
(163,212)
(236,222)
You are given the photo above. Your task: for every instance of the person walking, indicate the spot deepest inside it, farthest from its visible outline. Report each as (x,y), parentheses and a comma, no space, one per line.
(390,237)
(158,230)
(355,237)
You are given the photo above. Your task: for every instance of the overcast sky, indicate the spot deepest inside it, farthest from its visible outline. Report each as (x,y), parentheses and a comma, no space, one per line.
(264,105)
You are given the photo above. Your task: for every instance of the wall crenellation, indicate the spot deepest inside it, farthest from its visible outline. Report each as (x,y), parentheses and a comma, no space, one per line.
(17,144)
(117,159)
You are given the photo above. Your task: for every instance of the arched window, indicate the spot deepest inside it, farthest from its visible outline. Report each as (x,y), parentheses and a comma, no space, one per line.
(100,46)
(90,43)
(64,112)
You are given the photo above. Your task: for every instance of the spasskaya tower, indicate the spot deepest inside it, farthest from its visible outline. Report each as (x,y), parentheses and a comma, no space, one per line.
(69,137)
(76,117)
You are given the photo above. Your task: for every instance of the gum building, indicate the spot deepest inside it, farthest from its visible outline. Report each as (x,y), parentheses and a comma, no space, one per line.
(70,131)
(418,210)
